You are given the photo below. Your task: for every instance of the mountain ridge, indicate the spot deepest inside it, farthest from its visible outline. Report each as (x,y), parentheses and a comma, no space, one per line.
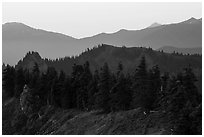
(113,55)
(129,57)
(18,43)
(154,25)
(171,49)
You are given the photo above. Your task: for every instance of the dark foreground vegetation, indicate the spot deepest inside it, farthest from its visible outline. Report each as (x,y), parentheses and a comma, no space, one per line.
(106,93)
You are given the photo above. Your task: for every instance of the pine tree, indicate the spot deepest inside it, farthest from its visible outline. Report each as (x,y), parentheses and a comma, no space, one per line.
(83,90)
(120,92)
(9,80)
(43,89)
(179,103)
(77,71)
(154,86)
(19,82)
(164,82)
(52,76)
(176,105)
(140,86)
(92,90)
(59,89)
(85,79)
(27,76)
(35,77)
(119,69)
(66,98)
(189,80)
(103,95)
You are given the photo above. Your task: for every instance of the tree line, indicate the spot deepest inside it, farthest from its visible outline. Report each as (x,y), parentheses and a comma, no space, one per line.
(104,90)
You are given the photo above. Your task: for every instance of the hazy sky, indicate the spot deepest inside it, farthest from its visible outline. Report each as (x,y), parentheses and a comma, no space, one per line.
(87,19)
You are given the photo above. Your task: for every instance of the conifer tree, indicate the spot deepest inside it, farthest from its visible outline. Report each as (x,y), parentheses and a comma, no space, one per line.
(84,79)
(120,92)
(8,80)
(103,95)
(140,86)
(119,69)
(27,76)
(92,90)
(35,77)
(59,89)
(189,80)
(154,85)
(66,98)
(43,88)
(19,82)
(77,71)
(52,77)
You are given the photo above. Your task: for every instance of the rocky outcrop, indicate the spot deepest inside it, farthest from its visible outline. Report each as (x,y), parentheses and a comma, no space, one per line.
(29,61)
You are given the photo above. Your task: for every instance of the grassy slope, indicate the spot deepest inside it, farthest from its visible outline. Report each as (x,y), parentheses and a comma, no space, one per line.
(57,121)
(119,123)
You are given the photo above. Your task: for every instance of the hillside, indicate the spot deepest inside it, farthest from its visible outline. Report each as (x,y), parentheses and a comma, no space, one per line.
(18,38)
(129,57)
(56,121)
(73,105)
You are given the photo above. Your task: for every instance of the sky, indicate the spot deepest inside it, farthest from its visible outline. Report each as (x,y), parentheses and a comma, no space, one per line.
(87,19)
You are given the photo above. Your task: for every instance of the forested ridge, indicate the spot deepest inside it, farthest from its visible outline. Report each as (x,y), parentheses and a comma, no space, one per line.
(174,94)
(129,57)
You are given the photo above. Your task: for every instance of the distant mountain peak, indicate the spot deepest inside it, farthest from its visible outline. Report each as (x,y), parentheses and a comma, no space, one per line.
(154,25)
(15,26)
(192,20)
(122,30)
(14,23)
(53,45)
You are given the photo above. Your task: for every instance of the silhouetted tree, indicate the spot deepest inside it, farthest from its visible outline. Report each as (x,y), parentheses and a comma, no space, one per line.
(154,86)
(19,82)
(189,80)
(82,91)
(51,81)
(8,80)
(103,95)
(120,92)
(92,90)
(43,89)
(35,77)
(66,98)
(77,71)
(58,89)
(140,86)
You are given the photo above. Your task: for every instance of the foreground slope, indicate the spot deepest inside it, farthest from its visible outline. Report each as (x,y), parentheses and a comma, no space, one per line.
(56,121)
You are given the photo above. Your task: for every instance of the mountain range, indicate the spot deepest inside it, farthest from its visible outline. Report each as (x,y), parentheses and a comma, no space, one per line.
(18,39)
(129,57)
(170,49)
